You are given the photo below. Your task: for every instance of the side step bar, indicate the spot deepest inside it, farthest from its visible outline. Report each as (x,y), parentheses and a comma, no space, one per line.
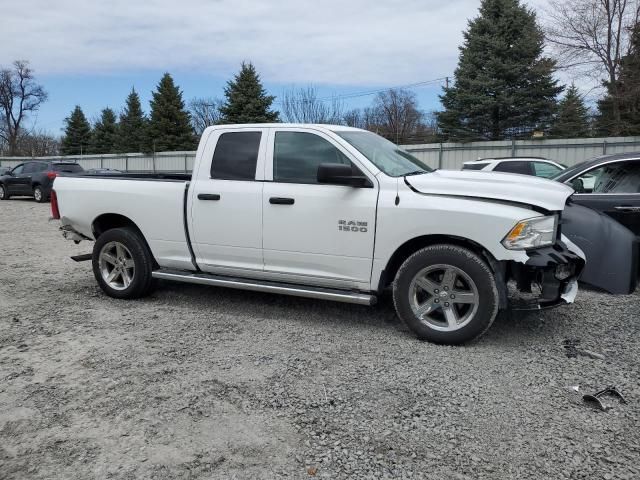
(335,295)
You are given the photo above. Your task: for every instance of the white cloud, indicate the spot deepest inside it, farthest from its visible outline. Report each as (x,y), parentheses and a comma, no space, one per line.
(351,42)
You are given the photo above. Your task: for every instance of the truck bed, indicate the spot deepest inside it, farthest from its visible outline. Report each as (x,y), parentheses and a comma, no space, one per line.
(155,202)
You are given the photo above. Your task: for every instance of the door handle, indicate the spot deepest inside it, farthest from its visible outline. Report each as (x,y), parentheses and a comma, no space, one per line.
(281,201)
(627,208)
(208,196)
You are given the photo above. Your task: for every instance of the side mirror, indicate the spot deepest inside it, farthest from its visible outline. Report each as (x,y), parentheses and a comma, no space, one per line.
(578,185)
(340,174)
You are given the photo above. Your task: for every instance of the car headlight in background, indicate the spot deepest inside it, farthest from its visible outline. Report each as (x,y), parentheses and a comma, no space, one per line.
(532,233)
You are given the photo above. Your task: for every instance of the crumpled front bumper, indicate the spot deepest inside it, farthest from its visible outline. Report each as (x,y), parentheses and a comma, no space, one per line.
(554,270)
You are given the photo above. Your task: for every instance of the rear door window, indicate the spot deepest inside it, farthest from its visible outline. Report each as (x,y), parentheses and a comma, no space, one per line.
(523,168)
(546,170)
(67,167)
(236,156)
(31,167)
(473,166)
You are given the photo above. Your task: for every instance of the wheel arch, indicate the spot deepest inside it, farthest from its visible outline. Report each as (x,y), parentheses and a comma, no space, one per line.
(109,221)
(411,246)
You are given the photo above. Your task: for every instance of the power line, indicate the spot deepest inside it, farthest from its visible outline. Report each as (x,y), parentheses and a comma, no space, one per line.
(373,92)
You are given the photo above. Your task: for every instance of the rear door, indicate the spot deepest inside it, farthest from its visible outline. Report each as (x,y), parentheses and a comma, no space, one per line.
(614,189)
(225,202)
(315,233)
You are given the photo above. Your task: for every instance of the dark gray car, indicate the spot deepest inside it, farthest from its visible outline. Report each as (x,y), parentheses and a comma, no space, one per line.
(605,210)
(34,179)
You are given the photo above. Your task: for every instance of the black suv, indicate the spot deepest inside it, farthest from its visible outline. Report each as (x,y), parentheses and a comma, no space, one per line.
(34,179)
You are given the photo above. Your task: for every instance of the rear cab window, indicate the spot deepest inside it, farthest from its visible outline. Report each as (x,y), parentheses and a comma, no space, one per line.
(236,156)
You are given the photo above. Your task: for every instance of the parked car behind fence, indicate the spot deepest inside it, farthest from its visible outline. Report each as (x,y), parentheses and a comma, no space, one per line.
(536,166)
(35,179)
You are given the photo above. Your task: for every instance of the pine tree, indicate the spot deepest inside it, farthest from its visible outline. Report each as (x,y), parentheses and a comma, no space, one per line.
(77,134)
(503,86)
(247,100)
(572,120)
(104,134)
(628,94)
(132,132)
(170,123)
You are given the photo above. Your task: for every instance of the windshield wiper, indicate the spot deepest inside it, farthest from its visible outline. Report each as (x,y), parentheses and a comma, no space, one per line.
(415,172)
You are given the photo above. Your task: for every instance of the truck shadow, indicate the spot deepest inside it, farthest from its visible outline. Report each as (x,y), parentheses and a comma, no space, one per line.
(509,327)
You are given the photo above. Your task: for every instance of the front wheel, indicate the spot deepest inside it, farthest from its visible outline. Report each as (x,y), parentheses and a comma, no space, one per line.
(446,294)
(122,264)
(4,193)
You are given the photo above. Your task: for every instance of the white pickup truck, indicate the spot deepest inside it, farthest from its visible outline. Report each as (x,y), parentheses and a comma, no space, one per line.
(329,212)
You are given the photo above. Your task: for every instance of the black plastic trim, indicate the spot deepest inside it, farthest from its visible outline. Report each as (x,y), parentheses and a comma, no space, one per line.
(186,228)
(208,196)
(281,201)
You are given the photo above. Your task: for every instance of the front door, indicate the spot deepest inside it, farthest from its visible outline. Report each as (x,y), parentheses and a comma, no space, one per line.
(226,203)
(315,233)
(17,182)
(614,189)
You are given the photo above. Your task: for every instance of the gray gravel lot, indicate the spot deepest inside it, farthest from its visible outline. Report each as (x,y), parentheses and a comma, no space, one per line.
(198,382)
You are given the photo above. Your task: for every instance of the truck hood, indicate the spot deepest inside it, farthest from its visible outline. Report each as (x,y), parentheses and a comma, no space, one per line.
(509,187)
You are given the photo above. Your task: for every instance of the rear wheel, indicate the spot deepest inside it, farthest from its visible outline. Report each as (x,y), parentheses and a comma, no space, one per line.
(122,264)
(38,194)
(4,193)
(446,294)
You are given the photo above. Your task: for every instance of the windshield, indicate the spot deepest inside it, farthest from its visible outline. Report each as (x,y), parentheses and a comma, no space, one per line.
(388,157)
(567,173)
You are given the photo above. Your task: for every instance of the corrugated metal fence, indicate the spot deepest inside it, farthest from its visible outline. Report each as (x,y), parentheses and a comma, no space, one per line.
(126,162)
(451,156)
(438,155)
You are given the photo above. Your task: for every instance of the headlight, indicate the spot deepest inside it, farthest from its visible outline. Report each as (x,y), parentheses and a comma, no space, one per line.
(532,233)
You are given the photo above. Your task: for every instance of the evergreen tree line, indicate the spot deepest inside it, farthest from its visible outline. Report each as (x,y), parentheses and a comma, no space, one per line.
(169,125)
(504,85)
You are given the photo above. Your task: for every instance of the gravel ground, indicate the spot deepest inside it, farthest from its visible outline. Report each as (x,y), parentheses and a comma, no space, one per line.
(200,382)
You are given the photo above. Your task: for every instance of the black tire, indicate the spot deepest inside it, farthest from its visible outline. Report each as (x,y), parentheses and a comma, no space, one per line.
(141,282)
(4,193)
(38,194)
(477,317)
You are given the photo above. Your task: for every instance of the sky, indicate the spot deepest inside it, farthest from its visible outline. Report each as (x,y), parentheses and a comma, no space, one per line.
(92,53)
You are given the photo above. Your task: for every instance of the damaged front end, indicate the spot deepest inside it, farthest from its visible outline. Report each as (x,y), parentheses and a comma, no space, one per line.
(547,279)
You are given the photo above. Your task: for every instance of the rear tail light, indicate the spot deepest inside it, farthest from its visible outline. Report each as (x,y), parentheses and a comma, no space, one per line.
(52,175)
(55,211)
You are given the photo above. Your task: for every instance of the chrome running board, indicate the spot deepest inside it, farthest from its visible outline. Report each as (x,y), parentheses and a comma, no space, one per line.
(335,295)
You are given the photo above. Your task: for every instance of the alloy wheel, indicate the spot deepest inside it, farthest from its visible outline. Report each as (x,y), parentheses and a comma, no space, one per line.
(116,265)
(443,297)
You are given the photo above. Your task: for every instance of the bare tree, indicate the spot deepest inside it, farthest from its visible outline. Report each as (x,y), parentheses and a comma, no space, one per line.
(37,143)
(20,96)
(303,105)
(593,36)
(204,113)
(396,114)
